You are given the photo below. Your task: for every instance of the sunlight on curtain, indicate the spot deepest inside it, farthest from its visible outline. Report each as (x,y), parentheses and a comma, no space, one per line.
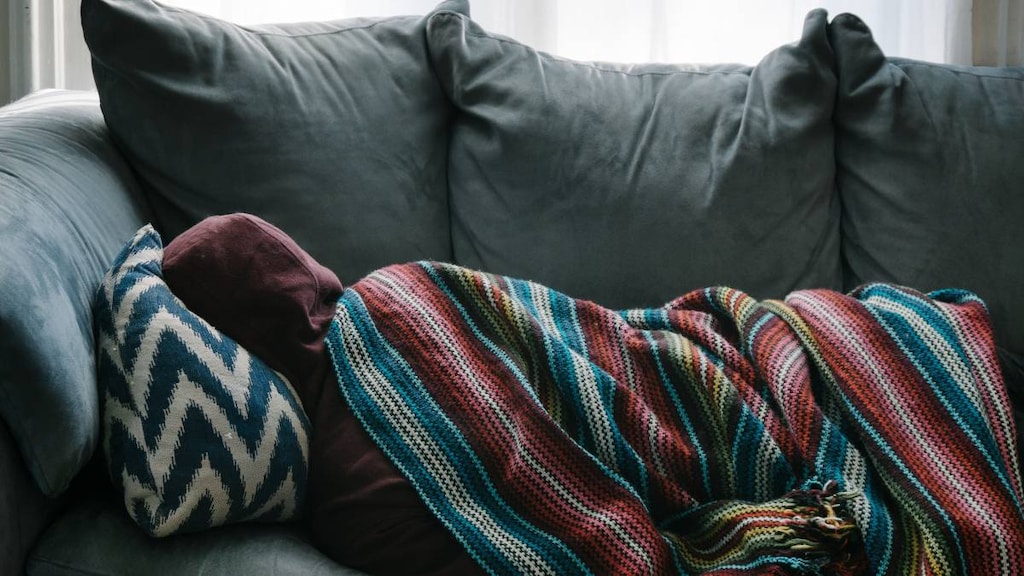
(999,32)
(655,30)
(266,11)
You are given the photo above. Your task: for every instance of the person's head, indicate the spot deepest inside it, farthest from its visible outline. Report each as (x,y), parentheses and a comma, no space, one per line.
(253,282)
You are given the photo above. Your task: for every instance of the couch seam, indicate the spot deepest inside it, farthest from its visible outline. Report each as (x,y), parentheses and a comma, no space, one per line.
(453,111)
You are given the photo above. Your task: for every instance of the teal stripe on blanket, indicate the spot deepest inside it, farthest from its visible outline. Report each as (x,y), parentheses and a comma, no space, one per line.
(827,433)
(447,457)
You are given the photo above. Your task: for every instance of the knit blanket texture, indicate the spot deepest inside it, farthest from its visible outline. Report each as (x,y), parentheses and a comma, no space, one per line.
(867,433)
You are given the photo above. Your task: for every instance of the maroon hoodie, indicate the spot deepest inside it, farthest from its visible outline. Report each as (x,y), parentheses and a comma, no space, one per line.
(250,280)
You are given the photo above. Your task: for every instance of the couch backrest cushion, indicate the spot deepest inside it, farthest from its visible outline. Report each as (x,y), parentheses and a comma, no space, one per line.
(631,184)
(68,201)
(930,163)
(333,131)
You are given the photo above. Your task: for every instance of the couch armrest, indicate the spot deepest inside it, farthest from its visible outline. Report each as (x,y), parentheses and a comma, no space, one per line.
(68,202)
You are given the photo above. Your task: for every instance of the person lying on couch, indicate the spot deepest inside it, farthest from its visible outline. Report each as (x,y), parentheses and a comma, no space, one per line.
(468,420)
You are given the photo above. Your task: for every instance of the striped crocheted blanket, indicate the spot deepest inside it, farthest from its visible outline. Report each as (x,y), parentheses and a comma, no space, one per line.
(718,434)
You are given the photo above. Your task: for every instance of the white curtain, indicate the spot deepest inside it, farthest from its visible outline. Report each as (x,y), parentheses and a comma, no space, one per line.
(47,50)
(45,47)
(733,30)
(980,32)
(998,32)
(656,30)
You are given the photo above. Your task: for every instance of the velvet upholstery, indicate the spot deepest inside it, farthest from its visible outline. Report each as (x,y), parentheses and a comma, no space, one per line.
(632,184)
(334,131)
(68,202)
(24,510)
(930,175)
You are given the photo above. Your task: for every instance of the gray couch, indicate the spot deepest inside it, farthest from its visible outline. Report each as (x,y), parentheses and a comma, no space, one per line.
(375,141)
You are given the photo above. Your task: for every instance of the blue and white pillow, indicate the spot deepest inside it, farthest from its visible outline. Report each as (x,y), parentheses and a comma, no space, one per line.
(197,432)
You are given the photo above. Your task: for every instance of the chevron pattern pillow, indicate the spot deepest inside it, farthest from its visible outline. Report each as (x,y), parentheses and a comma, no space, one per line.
(197,432)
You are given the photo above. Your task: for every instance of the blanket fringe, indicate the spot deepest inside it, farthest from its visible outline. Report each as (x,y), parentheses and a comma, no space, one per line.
(820,530)
(808,531)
